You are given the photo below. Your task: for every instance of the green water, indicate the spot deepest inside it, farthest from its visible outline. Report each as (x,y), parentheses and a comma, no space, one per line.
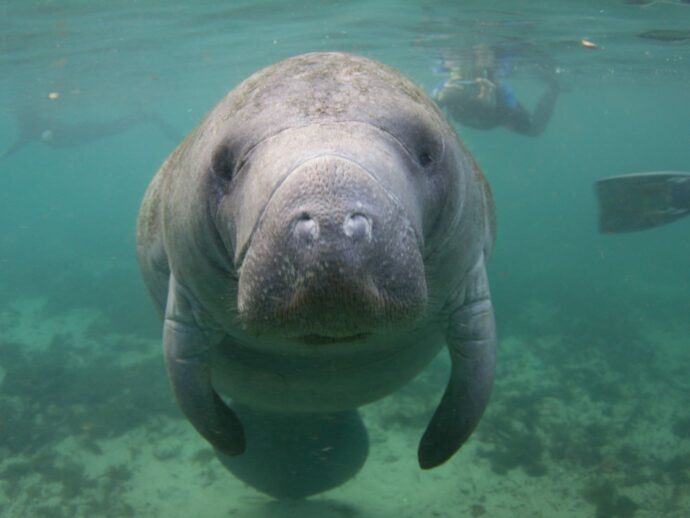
(589,415)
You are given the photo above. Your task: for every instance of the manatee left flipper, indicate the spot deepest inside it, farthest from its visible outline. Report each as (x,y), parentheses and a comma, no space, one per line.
(472,345)
(187,357)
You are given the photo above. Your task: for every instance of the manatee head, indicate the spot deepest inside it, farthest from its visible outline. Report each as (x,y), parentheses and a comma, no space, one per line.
(334,254)
(333,181)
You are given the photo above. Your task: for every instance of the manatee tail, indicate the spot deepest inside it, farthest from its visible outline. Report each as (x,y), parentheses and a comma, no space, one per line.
(295,456)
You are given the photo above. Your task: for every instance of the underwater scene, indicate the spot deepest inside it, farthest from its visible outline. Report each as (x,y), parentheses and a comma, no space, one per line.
(332,350)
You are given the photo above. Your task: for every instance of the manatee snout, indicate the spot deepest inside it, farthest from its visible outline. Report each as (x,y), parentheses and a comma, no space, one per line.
(334,256)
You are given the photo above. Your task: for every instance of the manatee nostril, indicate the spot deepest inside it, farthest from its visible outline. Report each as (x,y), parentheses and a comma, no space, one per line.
(305,228)
(357,226)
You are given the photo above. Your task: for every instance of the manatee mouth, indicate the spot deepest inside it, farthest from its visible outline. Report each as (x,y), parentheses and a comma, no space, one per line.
(327,307)
(333,303)
(330,340)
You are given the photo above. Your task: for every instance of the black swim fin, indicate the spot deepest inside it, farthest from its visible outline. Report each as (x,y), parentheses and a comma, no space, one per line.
(632,202)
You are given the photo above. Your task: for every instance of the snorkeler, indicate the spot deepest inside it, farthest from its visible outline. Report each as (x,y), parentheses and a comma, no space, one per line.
(632,202)
(477,93)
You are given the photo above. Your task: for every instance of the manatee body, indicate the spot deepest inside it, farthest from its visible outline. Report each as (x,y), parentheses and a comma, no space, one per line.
(311,246)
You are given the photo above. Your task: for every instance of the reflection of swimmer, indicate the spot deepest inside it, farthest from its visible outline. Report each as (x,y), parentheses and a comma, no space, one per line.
(477,93)
(666,34)
(35,127)
(644,200)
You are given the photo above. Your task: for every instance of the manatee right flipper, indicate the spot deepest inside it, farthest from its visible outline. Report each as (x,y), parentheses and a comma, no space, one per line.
(472,345)
(187,357)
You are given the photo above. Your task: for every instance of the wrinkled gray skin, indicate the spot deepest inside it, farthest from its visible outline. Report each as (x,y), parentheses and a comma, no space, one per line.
(313,244)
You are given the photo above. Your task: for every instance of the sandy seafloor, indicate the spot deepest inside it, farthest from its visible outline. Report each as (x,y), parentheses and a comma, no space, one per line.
(90,429)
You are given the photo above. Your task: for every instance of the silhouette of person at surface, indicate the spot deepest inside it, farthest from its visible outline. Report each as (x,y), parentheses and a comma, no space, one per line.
(477,93)
(40,126)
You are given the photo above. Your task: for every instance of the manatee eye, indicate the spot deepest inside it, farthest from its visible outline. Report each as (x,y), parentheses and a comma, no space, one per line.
(425,158)
(223,162)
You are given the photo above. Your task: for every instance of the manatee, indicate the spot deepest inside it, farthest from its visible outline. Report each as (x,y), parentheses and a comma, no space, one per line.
(311,246)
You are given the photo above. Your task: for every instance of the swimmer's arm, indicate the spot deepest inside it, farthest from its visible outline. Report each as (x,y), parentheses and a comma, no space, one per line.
(13,148)
(532,125)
